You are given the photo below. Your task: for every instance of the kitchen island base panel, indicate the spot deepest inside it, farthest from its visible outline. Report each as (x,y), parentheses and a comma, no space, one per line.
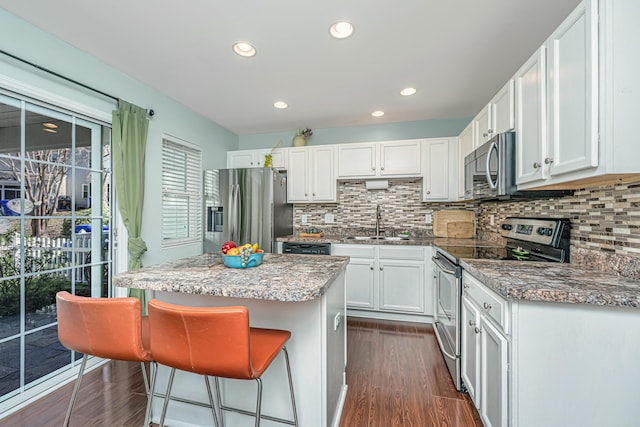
(578,362)
(317,352)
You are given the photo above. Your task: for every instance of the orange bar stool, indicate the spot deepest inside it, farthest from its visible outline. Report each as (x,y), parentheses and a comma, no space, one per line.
(111,328)
(216,342)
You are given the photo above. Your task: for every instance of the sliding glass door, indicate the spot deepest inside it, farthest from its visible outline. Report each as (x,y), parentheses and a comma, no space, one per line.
(55,233)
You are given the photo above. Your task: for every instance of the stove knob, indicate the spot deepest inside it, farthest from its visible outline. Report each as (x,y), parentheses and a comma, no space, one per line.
(548,232)
(506,227)
(541,231)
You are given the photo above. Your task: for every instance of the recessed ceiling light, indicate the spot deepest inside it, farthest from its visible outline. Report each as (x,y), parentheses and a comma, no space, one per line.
(341,30)
(377,113)
(280,104)
(244,49)
(50,125)
(408,91)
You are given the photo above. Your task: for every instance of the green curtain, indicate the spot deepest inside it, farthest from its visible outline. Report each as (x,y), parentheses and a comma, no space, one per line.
(129,141)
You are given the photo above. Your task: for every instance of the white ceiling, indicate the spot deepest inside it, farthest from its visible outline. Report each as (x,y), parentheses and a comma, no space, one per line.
(457,53)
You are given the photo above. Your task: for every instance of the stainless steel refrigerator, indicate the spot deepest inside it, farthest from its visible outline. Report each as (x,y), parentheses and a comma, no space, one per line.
(246,206)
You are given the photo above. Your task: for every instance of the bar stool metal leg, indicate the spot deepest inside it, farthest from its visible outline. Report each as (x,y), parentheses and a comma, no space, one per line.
(213,407)
(147,414)
(293,398)
(76,387)
(259,403)
(167,396)
(217,383)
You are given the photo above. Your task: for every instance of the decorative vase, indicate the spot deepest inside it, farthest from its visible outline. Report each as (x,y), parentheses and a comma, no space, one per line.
(299,141)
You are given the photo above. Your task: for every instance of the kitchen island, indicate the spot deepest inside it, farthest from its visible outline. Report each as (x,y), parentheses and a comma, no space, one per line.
(304,294)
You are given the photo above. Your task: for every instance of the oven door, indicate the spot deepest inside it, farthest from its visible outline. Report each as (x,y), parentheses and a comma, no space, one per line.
(447,313)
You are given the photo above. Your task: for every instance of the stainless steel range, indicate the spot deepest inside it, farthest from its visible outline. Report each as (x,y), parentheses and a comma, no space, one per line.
(528,239)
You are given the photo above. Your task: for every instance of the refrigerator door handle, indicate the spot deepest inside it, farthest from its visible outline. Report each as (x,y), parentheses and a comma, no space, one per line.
(234,213)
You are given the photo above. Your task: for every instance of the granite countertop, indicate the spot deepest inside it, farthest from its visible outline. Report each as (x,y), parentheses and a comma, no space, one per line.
(554,282)
(289,278)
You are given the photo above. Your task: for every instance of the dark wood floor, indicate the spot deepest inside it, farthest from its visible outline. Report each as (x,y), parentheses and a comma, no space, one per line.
(396,377)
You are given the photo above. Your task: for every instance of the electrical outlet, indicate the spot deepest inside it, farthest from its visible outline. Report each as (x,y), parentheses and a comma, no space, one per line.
(328,218)
(305,219)
(428,218)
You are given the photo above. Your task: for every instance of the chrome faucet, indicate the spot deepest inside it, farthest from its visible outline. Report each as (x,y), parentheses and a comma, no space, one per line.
(378,217)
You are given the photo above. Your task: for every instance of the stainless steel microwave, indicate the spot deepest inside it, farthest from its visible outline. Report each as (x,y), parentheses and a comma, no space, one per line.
(490,172)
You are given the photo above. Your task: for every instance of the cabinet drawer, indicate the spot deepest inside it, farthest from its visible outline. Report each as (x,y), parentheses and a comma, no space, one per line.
(402,252)
(489,303)
(356,251)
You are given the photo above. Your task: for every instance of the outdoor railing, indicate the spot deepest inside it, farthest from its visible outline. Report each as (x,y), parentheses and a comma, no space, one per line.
(44,253)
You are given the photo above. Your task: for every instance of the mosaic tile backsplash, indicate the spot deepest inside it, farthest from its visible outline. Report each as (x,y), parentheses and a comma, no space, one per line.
(603,219)
(400,205)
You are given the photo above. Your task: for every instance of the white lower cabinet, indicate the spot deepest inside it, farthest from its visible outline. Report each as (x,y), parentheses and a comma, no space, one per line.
(387,281)
(534,363)
(470,318)
(494,366)
(360,276)
(485,351)
(401,285)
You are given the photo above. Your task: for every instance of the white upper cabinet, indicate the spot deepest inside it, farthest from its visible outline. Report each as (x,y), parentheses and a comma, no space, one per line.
(465,147)
(584,130)
(256,158)
(440,164)
(496,117)
(484,125)
(382,159)
(399,158)
(298,177)
(503,109)
(357,160)
(531,137)
(311,175)
(572,52)
(242,159)
(556,104)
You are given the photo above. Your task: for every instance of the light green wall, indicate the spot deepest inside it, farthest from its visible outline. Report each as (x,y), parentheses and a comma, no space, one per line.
(382,132)
(26,41)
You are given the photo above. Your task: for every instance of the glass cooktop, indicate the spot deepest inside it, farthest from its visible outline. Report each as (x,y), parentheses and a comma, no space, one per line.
(502,253)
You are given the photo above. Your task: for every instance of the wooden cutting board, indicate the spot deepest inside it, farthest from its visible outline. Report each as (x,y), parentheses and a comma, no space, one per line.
(312,235)
(466,223)
(461,230)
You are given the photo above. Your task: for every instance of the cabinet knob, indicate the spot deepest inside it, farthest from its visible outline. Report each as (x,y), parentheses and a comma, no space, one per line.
(380,268)
(536,165)
(373,169)
(314,194)
(490,131)
(477,330)
(484,135)
(472,323)
(428,192)
(486,306)
(371,268)
(466,286)
(548,160)
(381,168)
(251,163)
(305,194)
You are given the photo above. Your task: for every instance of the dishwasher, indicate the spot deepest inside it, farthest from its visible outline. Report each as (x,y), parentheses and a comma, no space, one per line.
(306,248)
